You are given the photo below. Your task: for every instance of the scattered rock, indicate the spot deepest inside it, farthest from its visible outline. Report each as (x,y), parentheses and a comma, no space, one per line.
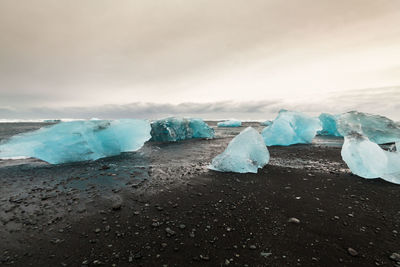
(294,220)
(395,256)
(265,254)
(169,231)
(352,252)
(117,206)
(204,258)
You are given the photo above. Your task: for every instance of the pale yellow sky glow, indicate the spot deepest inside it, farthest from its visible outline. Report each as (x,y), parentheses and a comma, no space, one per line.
(95,52)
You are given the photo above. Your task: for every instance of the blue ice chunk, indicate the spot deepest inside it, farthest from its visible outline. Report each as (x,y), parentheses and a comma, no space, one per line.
(175,129)
(368,160)
(329,126)
(229,123)
(245,153)
(266,123)
(378,129)
(291,127)
(200,129)
(78,140)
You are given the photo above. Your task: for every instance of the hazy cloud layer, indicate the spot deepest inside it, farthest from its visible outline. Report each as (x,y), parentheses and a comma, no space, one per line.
(95,52)
(384,101)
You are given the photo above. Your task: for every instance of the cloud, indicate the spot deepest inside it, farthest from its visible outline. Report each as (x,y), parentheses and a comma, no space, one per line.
(74,53)
(383,101)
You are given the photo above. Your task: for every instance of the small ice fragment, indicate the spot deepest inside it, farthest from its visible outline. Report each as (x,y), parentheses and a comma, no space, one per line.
(245,153)
(78,140)
(175,129)
(291,127)
(266,123)
(378,129)
(229,123)
(329,126)
(368,160)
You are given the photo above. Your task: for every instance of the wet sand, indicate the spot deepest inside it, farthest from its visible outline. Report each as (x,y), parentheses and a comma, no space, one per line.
(160,206)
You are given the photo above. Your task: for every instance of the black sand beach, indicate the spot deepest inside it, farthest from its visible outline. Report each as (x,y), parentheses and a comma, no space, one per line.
(160,206)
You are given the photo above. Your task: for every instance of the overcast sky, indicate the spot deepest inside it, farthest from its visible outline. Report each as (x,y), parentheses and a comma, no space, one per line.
(89,58)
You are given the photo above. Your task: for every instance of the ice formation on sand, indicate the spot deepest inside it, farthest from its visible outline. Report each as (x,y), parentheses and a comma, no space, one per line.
(378,129)
(368,160)
(245,153)
(266,123)
(78,140)
(329,126)
(175,129)
(291,127)
(229,123)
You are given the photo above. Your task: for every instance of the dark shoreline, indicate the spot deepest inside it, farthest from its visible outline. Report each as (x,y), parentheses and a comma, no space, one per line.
(213,219)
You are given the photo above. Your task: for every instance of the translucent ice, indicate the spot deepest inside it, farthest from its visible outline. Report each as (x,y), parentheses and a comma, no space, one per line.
(291,127)
(78,140)
(378,129)
(229,123)
(329,126)
(245,153)
(266,123)
(200,129)
(176,129)
(368,160)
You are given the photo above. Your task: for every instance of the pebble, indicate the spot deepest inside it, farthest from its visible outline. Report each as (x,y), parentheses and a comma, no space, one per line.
(117,206)
(352,252)
(294,220)
(265,254)
(395,257)
(169,231)
(204,258)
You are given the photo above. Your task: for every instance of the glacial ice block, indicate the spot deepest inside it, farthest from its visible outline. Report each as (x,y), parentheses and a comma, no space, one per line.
(368,160)
(78,140)
(229,123)
(291,127)
(245,153)
(329,125)
(266,123)
(378,129)
(175,129)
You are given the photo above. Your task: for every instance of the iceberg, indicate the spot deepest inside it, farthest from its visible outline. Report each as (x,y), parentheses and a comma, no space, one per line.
(368,160)
(245,153)
(266,123)
(229,123)
(290,128)
(175,129)
(328,122)
(78,140)
(200,129)
(378,129)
